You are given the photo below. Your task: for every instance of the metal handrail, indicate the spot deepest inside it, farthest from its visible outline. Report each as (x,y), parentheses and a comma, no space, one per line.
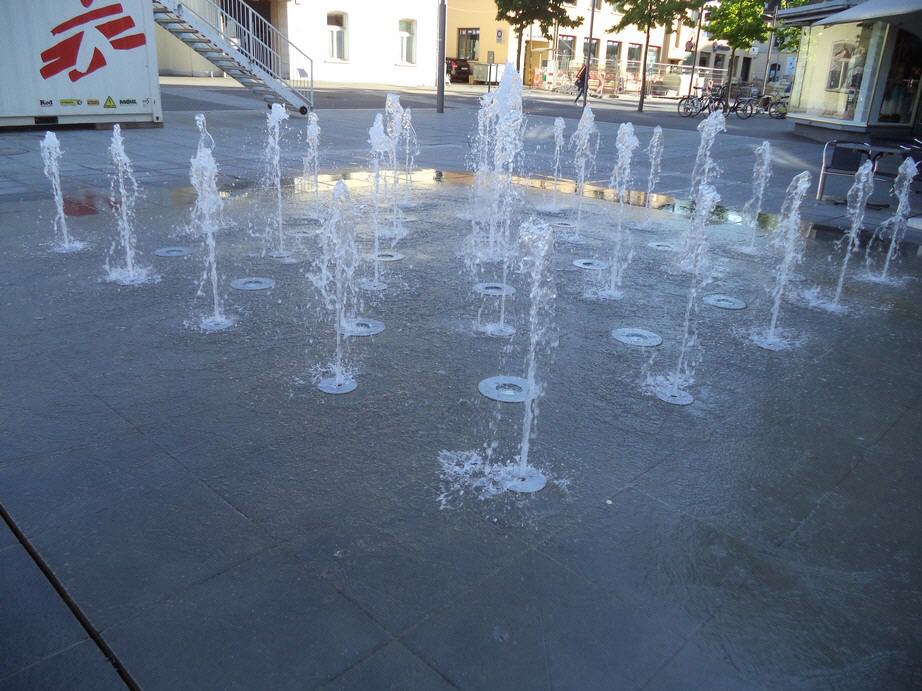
(253,37)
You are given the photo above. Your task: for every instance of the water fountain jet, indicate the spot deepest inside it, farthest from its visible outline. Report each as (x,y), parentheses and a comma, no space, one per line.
(51,158)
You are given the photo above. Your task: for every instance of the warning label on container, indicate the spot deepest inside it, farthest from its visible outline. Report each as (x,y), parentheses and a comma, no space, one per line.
(110,103)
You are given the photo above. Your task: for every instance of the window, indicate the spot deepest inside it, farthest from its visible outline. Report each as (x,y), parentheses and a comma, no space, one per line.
(468,43)
(902,79)
(652,55)
(634,52)
(592,51)
(566,50)
(703,59)
(613,53)
(406,29)
(337,29)
(598,4)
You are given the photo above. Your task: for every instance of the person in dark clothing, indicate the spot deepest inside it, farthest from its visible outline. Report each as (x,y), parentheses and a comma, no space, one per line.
(582,82)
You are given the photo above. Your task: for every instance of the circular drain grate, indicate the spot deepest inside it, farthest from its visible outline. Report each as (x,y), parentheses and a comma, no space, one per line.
(171,252)
(525,480)
(663,246)
(497,289)
(637,337)
(724,302)
(361,326)
(389,256)
(563,224)
(590,264)
(330,385)
(255,283)
(504,389)
(674,396)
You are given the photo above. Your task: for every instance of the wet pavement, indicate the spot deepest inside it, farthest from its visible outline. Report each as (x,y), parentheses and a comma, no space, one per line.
(222,524)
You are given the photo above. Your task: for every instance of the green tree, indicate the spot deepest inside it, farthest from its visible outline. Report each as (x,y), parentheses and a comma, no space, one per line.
(646,15)
(738,22)
(521,14)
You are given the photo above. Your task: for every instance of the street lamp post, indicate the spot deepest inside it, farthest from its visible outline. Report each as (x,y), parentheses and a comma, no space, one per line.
(440,71)
(691,79)
(589,52)
(771,42)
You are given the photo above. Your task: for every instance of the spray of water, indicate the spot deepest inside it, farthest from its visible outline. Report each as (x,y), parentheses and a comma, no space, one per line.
(203,174)
(655,152)
(585,145)
(410,152)
(789,242)
(622,252)
(312,157)
(858,195)
(476,473)
(538,243)
(761,173)
(123,196)
(334,277)
(560,143)
(705,168)
(496,150)
(671,387)
(275,231)
(378,156)
(51,157)
(896,224)
(393,128)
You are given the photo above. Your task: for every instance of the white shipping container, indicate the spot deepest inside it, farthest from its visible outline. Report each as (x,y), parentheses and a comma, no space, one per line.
(78,61)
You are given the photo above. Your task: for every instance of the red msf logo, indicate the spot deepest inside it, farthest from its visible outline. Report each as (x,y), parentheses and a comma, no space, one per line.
(81,51)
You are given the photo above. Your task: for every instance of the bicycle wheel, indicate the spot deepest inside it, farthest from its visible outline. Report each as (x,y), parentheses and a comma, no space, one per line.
(687,107)
(745,110)
(778,110)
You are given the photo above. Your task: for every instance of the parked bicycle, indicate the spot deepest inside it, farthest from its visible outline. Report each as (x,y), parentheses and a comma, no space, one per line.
(709,99)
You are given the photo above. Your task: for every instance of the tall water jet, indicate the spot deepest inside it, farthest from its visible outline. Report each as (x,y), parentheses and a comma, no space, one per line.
(788,239)
(410,152)
(393,127)
(671,387)
(334,277)
(51,157)
(896,224)
(858,195)
(705,168)
(761,173)
(312,157)
(378,156)
(622,252)
(466,473)
(123,196)
(538,243)
(560,142)
(501,125)
(275,232)
(203,174)
(585,145)
(655,152)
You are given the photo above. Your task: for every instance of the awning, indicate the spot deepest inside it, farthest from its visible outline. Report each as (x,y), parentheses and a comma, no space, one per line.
(880,10)
(804,15)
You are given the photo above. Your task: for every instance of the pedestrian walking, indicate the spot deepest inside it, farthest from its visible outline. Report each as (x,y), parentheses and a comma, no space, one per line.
(582,82)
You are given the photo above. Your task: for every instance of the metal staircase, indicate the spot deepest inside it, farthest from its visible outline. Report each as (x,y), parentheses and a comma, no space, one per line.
(241,43)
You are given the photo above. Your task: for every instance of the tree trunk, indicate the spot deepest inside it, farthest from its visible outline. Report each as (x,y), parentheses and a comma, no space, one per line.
(730,71)
(518,54)
(643,72)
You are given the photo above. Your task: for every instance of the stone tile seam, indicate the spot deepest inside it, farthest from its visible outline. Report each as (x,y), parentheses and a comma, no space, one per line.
(69,602)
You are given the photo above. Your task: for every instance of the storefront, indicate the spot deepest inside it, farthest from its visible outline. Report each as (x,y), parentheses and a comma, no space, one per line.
(859,67)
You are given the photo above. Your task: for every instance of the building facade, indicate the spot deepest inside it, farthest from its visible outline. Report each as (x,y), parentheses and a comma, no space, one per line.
(349,41)
(860,67)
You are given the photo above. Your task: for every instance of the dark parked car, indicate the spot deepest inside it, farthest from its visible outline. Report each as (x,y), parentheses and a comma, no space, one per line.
(458,69)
